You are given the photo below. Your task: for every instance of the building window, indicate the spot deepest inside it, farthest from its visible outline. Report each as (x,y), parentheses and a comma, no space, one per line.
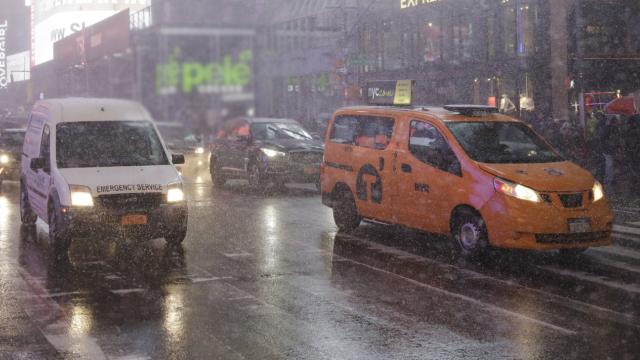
(431,41)
(509,28)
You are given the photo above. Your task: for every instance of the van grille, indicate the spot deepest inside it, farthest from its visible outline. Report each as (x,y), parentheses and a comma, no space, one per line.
(127,203)
(571,200)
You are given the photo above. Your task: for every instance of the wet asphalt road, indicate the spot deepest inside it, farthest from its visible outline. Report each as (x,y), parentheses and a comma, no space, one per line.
(267,277)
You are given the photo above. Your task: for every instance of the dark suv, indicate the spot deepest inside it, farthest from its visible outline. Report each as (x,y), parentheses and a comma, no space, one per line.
(10,153)
(264,151)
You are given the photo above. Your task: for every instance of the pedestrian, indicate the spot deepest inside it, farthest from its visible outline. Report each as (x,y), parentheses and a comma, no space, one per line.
(506,105)
(608,144)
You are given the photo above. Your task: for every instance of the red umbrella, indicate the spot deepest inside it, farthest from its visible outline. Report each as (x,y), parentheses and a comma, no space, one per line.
(625,105)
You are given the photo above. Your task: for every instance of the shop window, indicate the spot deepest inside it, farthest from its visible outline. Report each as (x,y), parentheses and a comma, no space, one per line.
(431,41)
(462,35)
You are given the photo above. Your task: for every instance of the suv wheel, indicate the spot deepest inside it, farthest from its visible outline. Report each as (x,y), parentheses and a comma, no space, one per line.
(345,212)
(469,234)
(217,178)
(256,178)
(27,216)
(176,236)
(59,238)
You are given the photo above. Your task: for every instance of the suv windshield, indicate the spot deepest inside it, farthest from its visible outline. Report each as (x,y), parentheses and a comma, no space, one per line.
(502,142)
(274,131)
(11,138)
(108,143)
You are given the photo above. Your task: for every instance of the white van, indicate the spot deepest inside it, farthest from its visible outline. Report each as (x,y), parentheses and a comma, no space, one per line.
(96,165)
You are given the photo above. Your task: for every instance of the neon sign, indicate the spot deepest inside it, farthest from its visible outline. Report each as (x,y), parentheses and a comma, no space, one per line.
(227,76)
(4,77)
(411,3)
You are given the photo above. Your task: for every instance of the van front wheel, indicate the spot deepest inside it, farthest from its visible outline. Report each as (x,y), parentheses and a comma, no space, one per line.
(345,212)
(27,216)
(58,235)
(469,234)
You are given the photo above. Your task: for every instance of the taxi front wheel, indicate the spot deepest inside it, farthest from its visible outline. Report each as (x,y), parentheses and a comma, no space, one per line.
(469,234)
(345,212)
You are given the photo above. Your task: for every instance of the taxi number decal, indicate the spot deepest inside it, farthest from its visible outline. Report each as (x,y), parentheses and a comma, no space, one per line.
(362,186)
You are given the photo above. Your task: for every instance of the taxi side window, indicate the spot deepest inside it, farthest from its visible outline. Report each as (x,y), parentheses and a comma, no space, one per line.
(429,146)
(374,132)
(344,130)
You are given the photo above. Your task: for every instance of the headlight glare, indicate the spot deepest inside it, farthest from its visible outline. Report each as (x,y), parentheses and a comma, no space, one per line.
(4,159)
(200,150)
(175,193)
(272,153)
(81,196)
(515,190)
(597,191)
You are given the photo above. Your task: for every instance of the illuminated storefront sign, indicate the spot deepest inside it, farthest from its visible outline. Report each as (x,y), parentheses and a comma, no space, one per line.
(4,76)
(53,20)
(230,75)
(411,3)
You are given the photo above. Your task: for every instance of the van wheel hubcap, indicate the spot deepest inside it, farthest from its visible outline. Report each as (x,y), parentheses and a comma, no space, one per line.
(469,235)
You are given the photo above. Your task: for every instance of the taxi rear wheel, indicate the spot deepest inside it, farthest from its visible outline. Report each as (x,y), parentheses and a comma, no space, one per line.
(27,216)
(345,212)
(217,178)
(469,234)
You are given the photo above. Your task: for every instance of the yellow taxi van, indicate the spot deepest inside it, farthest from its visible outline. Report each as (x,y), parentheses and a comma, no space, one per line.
(466,171)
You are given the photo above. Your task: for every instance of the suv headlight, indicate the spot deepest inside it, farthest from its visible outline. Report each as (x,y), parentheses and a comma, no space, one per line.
(81,196)
(515,190)
(597,191)
(4,159)
(199,150)
(175,193)
(272,153)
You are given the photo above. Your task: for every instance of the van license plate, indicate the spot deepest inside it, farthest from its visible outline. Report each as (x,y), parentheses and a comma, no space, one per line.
(134,219)
(582,225)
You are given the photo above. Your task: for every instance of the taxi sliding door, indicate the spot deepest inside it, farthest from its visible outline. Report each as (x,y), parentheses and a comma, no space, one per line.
(428,178)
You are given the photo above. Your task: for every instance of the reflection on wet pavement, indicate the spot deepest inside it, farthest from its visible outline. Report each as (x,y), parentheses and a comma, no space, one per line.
(267,277)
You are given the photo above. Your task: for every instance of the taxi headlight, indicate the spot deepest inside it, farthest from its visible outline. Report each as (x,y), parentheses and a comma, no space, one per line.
(4,159)
(272,153)
(175,193)
(597,191)
(199,150)
(81,196)
(515,190)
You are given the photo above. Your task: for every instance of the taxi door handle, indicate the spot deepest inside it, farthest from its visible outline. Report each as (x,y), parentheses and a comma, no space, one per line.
(406,168)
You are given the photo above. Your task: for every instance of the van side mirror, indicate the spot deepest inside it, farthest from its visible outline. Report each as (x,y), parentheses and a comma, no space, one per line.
(177,159)
(37,163)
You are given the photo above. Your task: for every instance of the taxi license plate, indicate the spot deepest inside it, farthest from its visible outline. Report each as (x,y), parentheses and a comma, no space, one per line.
(311,170)
(134,219)
(581,225)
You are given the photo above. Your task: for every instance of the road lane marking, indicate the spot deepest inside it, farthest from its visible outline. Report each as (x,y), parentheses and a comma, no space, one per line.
(618,250)
(482,304)
(127,291)
(626,229)
(576,304)
(601,280)
(238,255)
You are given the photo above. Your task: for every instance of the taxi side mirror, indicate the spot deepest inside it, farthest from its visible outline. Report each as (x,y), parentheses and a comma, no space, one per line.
(177,159)
(37,163)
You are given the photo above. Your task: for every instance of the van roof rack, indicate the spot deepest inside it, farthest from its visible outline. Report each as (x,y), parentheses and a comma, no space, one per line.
(471,110)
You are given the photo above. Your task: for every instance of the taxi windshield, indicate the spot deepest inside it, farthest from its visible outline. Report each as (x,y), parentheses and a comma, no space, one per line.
(279,131)
(107,144)
(502,142)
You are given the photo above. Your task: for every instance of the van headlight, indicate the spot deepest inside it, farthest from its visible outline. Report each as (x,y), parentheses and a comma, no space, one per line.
(272,153)
(175,193)
(597,191)
(4,159)
(199,150)
(515,190)
(81,196)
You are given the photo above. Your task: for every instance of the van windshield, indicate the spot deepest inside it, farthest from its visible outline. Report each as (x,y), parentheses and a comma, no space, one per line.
(108,143)
(502,142)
